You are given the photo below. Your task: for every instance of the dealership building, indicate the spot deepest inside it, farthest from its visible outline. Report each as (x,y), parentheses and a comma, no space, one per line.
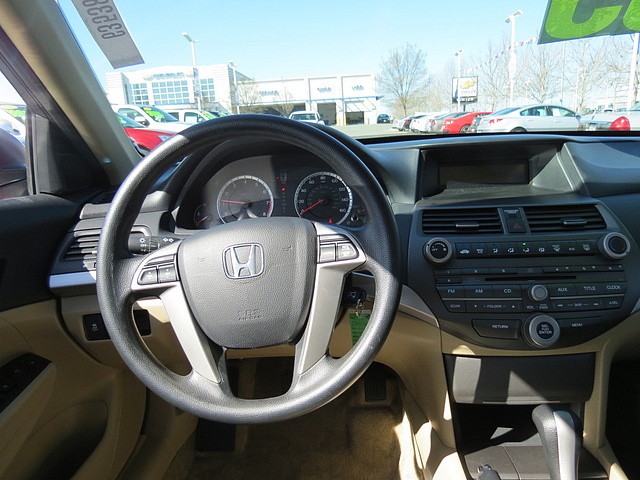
(340,99)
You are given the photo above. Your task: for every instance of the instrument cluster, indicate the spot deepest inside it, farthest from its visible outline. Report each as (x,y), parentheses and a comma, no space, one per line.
(272,185)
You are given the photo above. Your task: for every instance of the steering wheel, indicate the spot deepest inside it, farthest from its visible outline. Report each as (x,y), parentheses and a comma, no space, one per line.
(249,284)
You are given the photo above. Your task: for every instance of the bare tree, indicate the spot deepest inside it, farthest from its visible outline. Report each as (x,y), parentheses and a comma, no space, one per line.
(403,78)
(286,98)
(588,59)
(438,96)
(541,69)
(248,97)
(493,76)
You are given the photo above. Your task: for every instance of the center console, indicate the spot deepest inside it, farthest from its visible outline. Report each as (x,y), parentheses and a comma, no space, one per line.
(524,277)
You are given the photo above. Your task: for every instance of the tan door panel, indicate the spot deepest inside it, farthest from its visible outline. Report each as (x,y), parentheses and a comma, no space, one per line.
(75,397)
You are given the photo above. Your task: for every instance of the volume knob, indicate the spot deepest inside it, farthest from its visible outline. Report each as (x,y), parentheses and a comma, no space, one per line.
(538,293)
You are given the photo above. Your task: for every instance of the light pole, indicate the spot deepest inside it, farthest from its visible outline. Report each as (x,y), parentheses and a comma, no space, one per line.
(196,78)
(631,93)
(459,55)
(234,97)
(512,58)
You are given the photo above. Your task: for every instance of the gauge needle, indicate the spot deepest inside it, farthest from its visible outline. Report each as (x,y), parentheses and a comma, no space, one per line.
(233,201)
(202,220)
(312,206)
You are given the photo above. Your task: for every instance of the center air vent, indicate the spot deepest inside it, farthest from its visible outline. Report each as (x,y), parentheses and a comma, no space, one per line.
(562,218)
(461,220)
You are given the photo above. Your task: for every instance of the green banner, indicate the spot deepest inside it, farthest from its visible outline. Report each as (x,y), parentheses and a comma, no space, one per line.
(571,19)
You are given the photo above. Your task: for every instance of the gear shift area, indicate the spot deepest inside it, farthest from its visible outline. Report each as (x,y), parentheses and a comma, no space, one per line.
(560,430)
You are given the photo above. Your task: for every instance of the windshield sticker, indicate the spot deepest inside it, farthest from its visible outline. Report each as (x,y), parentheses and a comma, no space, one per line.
(107,28)
(155,115)
(571,19)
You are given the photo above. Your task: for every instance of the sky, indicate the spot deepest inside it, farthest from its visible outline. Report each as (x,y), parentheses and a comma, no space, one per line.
(280,39)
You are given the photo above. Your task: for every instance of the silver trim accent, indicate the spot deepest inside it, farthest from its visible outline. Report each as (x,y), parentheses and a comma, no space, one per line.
(325,304)
(566,431)
(75,279)
(193,341)
(410,302)
(535,338)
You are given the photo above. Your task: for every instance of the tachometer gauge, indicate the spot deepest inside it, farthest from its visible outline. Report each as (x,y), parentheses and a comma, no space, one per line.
(323,197)
(243,197)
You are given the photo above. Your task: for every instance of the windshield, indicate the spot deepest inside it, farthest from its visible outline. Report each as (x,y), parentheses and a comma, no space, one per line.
(303,116)
(498,57)
(159,115)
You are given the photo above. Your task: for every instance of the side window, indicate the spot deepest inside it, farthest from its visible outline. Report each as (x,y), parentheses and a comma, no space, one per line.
(13,133)
(561,112)
(191,117)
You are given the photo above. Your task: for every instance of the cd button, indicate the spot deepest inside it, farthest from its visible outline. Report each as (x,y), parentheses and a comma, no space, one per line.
(506,291)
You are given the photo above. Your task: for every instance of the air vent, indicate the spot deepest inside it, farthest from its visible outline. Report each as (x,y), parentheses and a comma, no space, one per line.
(461,220)
(562,218)
(83,248)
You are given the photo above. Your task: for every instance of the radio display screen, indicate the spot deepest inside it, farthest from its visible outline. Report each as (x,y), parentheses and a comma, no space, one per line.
(464,175)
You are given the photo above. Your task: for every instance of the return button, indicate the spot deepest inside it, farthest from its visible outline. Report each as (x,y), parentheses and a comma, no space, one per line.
(508,329)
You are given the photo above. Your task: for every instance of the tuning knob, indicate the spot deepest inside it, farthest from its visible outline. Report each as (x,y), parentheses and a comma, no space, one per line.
(614,246)
(541,331)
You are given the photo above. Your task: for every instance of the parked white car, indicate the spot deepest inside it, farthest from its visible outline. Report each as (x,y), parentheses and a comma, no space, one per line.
(530,118)
(611,121)
(422,122)
(307,116)
(192,115)
(151,117)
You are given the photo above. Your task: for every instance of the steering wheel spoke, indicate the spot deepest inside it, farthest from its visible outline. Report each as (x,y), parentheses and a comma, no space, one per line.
(338,254)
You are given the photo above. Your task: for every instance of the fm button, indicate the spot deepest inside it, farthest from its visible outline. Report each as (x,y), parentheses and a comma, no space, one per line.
(438,250)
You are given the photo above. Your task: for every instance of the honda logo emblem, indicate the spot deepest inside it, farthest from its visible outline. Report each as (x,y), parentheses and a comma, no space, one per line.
(243,261)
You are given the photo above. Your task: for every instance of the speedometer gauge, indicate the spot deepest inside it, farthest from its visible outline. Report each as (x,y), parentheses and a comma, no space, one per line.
(243,197)
(323,197)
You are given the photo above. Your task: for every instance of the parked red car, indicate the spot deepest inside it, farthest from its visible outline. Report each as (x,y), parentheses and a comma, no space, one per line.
(461,124)
(144,138)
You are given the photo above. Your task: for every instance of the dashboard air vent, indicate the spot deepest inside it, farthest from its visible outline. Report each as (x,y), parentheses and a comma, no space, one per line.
(84,247)
(560,218)
(461,220)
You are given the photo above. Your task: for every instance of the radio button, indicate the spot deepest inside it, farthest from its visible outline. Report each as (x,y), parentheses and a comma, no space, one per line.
(562,290)
(613,288)
(507,329)
(451,292)
(475,271)
(577,324)
(448,271)
(611,303)
(589,289)
(455,306)
(506,291)
(504,271)
(478,292)
(529,270)
(503,306)
(448,280)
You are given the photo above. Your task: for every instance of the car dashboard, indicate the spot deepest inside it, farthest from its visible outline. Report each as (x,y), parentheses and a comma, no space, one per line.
(519,258)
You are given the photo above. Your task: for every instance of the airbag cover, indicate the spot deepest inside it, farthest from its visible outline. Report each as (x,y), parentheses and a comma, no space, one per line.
(249,283)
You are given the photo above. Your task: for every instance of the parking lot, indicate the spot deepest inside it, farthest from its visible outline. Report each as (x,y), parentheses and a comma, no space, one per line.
(369,130)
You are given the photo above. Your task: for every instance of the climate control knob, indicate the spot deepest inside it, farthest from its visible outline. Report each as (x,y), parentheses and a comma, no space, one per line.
(438,250)
(541,331)
(614,246)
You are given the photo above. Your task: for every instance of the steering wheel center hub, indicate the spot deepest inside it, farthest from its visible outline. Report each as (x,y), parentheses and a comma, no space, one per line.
(234,277)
